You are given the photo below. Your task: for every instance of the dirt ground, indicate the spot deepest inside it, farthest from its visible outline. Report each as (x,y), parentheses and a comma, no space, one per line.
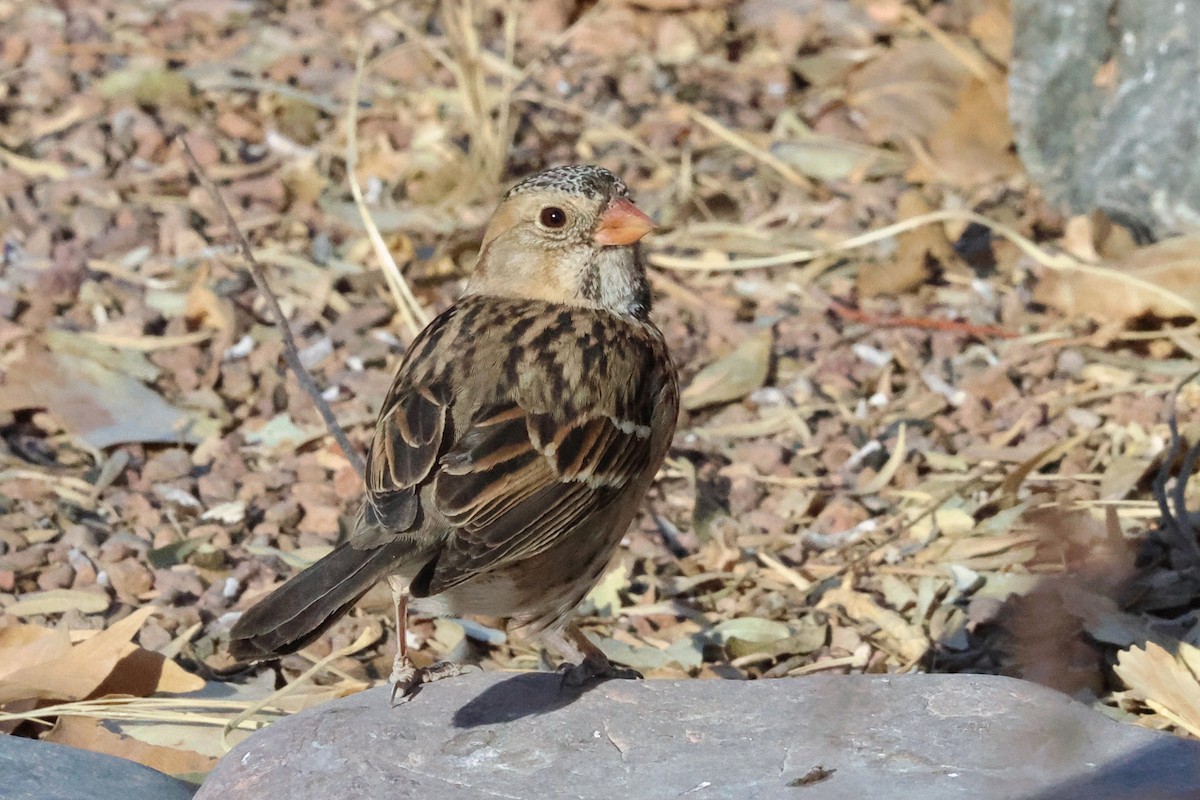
(926,413)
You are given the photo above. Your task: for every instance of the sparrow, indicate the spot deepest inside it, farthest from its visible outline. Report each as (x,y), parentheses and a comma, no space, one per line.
(516,443)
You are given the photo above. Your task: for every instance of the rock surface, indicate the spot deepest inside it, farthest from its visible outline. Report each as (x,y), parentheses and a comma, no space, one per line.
(33,770)
(1106,106)
(812,738)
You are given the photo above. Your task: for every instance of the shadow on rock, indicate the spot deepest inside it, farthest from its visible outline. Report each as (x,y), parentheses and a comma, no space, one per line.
(523,695)
(1162,771)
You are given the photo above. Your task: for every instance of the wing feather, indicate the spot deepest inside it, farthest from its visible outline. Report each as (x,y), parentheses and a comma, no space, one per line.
(502,514)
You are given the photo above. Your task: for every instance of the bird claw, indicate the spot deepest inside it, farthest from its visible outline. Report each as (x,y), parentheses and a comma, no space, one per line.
(587,671)
(407,678)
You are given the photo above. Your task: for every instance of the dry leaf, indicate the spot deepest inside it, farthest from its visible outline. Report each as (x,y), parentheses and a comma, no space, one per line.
(1164,682)
(908,92)
(58,601)
(90,734)
(993,29)
(829,159)
(205,307)
(732,377)
(974,144)
(106,661)
(21,645)
(1165,282)
(918,252)
(99,405)
(895,633)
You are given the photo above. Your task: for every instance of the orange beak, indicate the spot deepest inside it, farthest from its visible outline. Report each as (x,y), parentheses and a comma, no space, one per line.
(621,223)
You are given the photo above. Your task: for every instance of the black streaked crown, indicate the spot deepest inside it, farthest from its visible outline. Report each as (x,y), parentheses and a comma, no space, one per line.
(584,180)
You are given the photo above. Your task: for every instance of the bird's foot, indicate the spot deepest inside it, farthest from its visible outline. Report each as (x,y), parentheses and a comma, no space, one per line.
(592,669)
(407,678)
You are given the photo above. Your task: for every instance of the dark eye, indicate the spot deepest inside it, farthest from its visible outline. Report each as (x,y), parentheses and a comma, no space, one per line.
(553,217)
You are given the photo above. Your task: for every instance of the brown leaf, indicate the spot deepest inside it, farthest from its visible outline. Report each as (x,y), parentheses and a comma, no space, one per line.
(908,92)
(22,645)
(993,29)
(104,663)
(1164,682)
(99,405)
(917,251)
(90,734)
(733,376)
(895,633)
(973,145)
(1161,279)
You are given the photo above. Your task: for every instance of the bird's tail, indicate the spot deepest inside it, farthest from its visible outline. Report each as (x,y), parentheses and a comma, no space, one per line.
(302,609)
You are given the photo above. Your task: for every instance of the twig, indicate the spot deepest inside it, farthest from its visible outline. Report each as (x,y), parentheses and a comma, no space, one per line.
(369,634)
(1177,523)
(740,142)
(971,61)
(410,310)
(290,353)
(1060,263)
(957,326)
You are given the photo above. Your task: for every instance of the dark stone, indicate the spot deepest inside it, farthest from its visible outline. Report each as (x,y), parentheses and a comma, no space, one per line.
(33,770)
(489,735)
(1126,145)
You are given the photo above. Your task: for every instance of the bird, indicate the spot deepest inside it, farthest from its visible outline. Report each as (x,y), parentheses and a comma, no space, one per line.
(521,432)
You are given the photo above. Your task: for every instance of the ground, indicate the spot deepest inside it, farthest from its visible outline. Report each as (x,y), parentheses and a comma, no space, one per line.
(925,411)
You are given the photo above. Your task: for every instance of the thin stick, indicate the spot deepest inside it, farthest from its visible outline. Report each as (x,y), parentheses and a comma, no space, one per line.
(1059,263)
(368,635)
(746,146)
(410,310)
(1177,523)
(290,353)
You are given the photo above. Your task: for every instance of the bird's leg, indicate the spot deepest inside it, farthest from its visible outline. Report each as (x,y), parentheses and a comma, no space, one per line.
(590,662)
(406,676)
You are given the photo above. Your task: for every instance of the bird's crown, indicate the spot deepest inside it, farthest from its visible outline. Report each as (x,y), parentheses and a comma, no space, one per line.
(584,180)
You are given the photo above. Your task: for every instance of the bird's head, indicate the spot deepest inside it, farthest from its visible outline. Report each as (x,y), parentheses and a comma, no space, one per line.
(567,235)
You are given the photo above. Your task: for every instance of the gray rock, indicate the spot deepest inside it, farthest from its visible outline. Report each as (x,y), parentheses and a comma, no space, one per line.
(519,736)
(33,770)
(1125,145)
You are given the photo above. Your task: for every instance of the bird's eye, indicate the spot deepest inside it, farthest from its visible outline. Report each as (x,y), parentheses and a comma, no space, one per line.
(553,217)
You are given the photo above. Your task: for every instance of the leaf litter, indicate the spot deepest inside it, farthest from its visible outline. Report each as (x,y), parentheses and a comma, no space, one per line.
(929,419)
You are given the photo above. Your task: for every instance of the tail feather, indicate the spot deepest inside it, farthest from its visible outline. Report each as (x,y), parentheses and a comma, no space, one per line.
(299,611)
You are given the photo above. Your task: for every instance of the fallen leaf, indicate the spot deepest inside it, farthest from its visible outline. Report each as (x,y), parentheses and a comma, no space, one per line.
(829,159)
(21,645)
(744,636)
(605,596)
(105,661)
(158,87)
(973,145)
(908,92)
(895,633)
(1159,279)
(1164,682)
(131,362)
(90,734)
(99,405)
(732,377)
(58,601)
(993,29)
(280,431)
(918,251)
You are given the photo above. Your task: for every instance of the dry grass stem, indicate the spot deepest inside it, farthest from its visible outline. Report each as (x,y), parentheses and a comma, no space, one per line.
(407,306)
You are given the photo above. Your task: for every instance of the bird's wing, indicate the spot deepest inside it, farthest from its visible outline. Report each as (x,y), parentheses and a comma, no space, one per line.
(404,450)
(410,433)
(517,481)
